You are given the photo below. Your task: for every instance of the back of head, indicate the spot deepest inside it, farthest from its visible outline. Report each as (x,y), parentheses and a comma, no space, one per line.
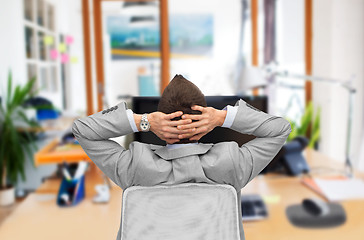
(181,95)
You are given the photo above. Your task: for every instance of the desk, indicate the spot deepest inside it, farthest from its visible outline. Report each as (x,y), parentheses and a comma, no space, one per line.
(277,226)
(48,155)
(43,220)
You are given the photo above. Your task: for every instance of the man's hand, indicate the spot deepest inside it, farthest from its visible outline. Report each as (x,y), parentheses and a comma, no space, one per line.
(166,129)
(207,121)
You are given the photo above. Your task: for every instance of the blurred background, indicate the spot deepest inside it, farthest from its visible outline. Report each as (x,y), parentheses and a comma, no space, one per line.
(62,60)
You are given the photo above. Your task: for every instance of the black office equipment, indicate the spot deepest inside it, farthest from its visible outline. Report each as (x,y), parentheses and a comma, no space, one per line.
(292,157)
(299,217)
(315,206)
(290,160)
(253,207)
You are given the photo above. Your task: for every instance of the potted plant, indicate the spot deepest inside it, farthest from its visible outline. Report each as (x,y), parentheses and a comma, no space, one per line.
(306,119)
(17,133)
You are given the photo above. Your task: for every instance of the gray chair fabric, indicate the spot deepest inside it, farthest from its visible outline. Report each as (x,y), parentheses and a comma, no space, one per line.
(193,211)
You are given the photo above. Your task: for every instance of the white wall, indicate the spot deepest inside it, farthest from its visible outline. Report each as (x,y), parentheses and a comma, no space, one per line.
(12,45)
(73,12)
(338,52)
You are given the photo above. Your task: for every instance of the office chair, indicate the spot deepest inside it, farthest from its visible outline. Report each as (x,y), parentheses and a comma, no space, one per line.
(192,211)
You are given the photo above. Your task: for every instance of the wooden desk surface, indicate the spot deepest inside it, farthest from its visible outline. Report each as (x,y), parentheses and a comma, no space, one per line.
(43,219)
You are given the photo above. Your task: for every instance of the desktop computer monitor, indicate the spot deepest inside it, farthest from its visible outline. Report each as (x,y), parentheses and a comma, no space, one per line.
(150,104)
(142,105)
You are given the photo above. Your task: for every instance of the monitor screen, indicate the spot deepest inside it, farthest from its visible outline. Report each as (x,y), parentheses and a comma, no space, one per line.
(142,105)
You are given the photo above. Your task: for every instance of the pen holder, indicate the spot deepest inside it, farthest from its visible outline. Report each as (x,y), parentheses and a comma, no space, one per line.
(71,192)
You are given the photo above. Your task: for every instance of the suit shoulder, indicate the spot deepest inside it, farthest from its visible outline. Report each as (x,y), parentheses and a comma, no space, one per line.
(144,146)
(223,148)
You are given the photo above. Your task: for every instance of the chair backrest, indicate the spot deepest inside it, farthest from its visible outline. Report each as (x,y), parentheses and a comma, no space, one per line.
(193,211)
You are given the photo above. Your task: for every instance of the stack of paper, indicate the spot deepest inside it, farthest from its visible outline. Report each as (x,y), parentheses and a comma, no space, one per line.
(338,190)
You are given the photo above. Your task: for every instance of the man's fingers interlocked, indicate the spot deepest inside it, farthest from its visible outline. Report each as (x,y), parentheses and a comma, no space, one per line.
(179,122)
(173,115)
(178,131)
(193,133)
(191,125)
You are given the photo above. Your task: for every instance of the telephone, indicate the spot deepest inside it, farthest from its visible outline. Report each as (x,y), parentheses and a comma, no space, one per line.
(290,160)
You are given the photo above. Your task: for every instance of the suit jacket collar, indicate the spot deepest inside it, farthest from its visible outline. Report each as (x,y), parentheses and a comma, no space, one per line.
(170,154)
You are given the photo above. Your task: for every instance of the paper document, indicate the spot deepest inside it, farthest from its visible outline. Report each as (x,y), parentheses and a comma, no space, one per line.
(338,190)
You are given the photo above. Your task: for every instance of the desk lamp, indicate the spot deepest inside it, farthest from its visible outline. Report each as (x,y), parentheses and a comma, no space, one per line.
(252,77)
(345,84)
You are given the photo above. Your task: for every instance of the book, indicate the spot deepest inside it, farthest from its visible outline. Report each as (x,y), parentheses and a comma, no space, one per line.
(310,183)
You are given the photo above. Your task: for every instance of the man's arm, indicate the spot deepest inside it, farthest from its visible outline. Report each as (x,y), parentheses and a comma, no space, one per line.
(252,157)
(271,133)
(93,133)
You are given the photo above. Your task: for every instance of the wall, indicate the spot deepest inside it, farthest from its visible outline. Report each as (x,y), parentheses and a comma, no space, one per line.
(338,52)
(121,76)
(73,12)
(12,43)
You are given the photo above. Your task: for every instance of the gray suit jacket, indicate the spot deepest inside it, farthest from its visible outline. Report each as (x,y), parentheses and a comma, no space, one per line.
(148,164)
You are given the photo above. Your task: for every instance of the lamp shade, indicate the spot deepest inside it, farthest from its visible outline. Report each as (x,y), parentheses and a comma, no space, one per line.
(252,77)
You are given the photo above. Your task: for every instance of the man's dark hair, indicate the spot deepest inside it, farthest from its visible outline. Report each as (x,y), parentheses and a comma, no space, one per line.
(181,95)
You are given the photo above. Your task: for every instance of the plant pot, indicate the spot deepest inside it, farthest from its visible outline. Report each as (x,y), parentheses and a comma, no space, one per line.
(7,196)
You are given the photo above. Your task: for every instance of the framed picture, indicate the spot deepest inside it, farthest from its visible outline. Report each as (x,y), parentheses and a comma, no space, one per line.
(134,37)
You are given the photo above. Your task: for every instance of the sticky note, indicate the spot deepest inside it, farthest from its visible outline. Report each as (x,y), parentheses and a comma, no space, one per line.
(62,47)
(272,199)
(65,58)
(69,40)
(48,40)
(54,54)
(74,60)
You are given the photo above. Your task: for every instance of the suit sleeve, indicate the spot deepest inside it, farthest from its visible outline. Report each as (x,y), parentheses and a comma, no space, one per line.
(93,133)
(271,133)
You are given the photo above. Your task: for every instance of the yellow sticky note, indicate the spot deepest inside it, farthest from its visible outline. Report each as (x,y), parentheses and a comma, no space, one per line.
(62,47)
(48,40)
(74,60)
(272,199)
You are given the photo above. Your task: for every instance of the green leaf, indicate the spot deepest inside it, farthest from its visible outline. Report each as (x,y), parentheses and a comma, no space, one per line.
(9,89)
(15,145)
(25,119)
(294,130)
(314,138)
(306,119)
(15,100)
(26,90)
(316,123)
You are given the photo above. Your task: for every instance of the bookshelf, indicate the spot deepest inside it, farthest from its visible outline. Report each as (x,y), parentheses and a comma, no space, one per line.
(39,24)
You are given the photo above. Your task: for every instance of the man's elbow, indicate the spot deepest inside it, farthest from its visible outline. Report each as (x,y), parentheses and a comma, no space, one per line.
(74,129)
(287,128)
